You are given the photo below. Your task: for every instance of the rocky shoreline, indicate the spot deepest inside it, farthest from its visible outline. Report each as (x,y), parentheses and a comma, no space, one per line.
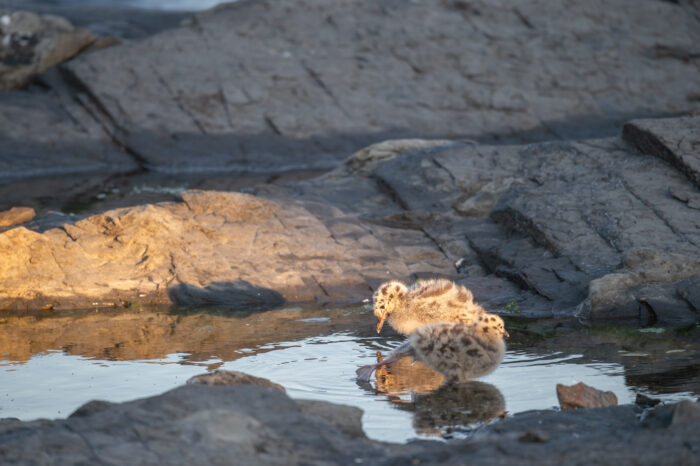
(544,155)
(260,425)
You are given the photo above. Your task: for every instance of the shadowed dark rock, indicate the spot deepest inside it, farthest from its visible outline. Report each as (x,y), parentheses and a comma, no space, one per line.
(239,295)
(258,425)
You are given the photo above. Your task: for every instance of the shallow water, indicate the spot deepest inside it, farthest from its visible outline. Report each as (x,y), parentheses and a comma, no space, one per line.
(52,364)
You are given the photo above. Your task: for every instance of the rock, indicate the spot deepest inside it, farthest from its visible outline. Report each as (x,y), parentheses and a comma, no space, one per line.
(194,423)
(30,44)
(534,437)
(347,419)
(675,140)
(239,295)
(119,20)
(645,288)
(91,407)
(284,98)
(212,248)
(685,412)
(689,290)
(16,215)
(566,226)
(232,378)
(260,425)
(43,134)
(483,201)
(644,400)
(582,396)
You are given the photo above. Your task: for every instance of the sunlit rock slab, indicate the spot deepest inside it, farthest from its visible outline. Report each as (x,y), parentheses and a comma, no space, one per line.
(213,248)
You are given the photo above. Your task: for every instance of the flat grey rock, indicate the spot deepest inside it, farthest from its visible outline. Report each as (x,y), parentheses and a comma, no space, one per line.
(311,83)
(675,140)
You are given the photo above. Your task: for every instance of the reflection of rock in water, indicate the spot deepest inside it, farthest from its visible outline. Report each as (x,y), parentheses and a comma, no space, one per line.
(415,387)
(455,405)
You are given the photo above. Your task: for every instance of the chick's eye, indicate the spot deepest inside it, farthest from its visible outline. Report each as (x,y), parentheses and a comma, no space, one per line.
(381,307)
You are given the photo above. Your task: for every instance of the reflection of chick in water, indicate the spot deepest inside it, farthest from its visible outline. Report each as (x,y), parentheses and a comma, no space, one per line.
(456,405)
(404,377)
(436,406)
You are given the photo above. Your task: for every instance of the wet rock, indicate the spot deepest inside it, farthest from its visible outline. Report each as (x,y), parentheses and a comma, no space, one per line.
(685,412)
(31,43)
(231,378)
(16,215)
(674,140)
(582,396)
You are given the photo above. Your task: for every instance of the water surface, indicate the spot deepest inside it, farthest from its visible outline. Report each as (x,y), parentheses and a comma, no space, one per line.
(50,364)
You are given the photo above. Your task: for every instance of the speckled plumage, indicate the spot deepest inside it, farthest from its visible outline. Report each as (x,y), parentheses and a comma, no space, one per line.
(458,351)
(424,302)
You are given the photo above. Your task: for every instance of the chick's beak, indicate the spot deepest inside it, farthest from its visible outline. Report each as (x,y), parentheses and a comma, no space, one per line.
(380,324)
(505,333)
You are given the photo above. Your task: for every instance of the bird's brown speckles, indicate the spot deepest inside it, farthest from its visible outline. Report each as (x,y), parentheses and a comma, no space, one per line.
(460,352)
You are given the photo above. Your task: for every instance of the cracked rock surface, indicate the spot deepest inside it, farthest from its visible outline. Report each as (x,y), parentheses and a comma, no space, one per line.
(267,86)
(211,248)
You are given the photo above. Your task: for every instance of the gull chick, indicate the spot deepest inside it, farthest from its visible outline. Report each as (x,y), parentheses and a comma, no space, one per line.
(424,302)
(458,351)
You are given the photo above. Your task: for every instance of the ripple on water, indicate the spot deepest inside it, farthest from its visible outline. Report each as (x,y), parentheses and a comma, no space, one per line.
(312,353)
